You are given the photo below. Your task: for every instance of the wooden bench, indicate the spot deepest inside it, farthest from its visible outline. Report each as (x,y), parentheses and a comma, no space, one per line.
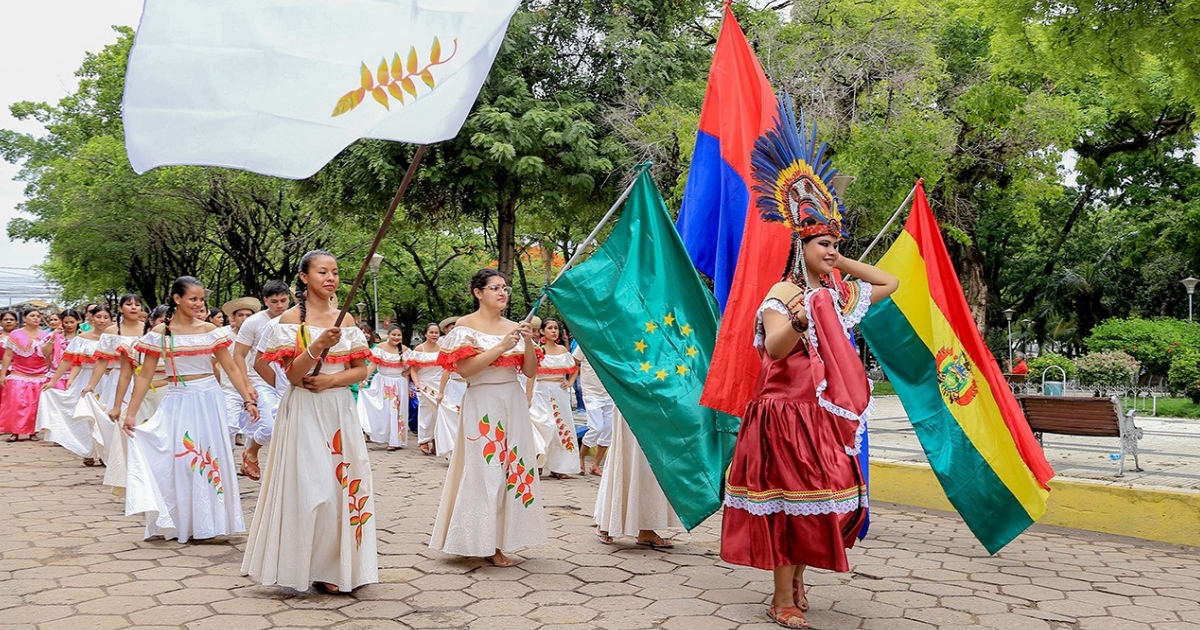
(1093,417)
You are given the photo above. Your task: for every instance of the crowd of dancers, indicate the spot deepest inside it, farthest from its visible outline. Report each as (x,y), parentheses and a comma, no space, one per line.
(162,398)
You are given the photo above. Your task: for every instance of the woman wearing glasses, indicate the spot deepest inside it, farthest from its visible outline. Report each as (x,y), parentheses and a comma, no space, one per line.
(491,503)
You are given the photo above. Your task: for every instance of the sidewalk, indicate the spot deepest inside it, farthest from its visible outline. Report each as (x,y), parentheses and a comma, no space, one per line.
(70,560)
(1169,452)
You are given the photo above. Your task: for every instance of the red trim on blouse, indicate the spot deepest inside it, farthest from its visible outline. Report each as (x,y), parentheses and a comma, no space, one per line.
(563,371)
(156,351)
(78,359)
(281,355)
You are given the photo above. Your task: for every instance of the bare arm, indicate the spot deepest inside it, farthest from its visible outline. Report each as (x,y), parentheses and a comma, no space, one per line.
(75,370)
(780,338)
(123,377)
(97,374)
(883,283)
(264,369)
(140,386)
(236,377)
(58,373)
(4,367)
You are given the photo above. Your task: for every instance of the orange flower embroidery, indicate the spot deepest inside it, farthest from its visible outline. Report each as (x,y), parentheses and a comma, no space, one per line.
(357,504)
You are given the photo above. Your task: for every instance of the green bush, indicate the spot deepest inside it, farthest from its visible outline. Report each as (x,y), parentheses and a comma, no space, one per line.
(1106,369)
(1153,342)
(1184,376)
(1038,364)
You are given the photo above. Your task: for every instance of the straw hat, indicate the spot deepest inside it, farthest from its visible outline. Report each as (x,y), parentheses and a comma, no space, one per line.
(536,323)
(241,304)
(449,321)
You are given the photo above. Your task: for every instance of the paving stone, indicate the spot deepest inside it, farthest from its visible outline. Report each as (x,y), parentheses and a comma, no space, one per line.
(86,567)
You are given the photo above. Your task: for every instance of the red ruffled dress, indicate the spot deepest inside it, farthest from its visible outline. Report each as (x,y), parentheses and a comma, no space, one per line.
(795,493)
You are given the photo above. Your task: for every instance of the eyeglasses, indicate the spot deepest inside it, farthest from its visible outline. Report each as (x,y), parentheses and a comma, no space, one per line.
(499,288)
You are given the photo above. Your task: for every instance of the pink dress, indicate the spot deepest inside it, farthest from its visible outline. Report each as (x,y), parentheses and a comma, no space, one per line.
(60,347)
(18,409)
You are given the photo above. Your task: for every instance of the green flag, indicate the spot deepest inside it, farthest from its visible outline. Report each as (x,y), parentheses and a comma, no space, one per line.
(648,325)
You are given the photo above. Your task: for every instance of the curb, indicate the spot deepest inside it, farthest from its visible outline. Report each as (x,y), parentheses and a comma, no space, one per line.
(1157,514)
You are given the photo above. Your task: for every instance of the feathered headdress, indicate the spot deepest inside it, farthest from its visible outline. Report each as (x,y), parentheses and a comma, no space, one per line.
(794,183)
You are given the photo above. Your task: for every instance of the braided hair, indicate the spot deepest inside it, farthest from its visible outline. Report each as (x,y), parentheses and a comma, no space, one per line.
(301,287)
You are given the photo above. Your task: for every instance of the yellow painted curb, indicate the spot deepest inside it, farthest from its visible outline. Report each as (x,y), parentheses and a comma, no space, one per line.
(1170,516)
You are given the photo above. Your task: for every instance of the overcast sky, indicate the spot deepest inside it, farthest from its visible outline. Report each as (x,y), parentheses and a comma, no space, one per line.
(42,43)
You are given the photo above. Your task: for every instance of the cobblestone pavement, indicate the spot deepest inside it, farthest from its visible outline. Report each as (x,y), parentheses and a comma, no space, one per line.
(70,560)
(1169,450)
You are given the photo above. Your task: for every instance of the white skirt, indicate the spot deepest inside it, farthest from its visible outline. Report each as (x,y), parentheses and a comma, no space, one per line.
(314,520)
(56,416)
(492,496)
(92,410)
(554,422)
(630,498)
(383,408)
(181,471)
(116,443)
(427,414)
(447,421)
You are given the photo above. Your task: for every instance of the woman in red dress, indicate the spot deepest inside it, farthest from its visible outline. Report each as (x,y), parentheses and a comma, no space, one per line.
(795,495)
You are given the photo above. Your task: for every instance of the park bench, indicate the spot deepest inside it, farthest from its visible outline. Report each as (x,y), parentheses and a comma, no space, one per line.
(1093,417)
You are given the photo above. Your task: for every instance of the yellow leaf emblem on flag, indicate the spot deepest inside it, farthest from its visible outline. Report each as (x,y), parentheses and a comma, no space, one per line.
(395,79)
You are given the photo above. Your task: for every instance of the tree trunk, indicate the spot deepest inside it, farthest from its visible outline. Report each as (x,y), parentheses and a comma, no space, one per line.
(506,237)
(977,290)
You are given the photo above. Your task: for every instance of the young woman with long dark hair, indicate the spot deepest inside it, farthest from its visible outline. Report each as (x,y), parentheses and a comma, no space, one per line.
(315,523)
(491,502)
(551,404)
(384,405)
(427,376)
(180,460)
(23,385)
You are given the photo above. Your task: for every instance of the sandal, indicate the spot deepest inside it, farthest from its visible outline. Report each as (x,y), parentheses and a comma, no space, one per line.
(33,437)
(393,448)
(596,471)
(657,543)
(89,461)
(327,588)
(788,617)
(250,469)
(427,448)
(801,596)
(603,537)
(13,438)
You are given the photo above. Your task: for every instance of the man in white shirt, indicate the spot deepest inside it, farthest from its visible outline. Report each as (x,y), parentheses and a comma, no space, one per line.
(599,406)
(253,331)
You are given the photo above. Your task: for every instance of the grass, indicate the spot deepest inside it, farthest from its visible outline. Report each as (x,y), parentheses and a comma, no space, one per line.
(884,388)
(1176,408)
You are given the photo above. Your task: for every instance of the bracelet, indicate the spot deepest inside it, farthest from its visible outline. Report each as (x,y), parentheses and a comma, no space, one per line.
(246,404)
(798,325)
(308,351)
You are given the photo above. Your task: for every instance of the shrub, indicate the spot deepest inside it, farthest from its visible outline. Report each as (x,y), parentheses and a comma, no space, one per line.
(1106,369)
(1185,375)
(1153,342)
(1039,364)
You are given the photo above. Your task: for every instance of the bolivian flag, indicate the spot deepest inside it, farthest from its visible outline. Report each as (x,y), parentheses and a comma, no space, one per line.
(969,424)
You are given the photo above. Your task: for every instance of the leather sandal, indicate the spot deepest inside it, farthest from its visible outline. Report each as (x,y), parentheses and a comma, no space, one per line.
(787,616)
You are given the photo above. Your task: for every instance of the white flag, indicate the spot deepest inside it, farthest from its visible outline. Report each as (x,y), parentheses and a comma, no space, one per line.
(279,87)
